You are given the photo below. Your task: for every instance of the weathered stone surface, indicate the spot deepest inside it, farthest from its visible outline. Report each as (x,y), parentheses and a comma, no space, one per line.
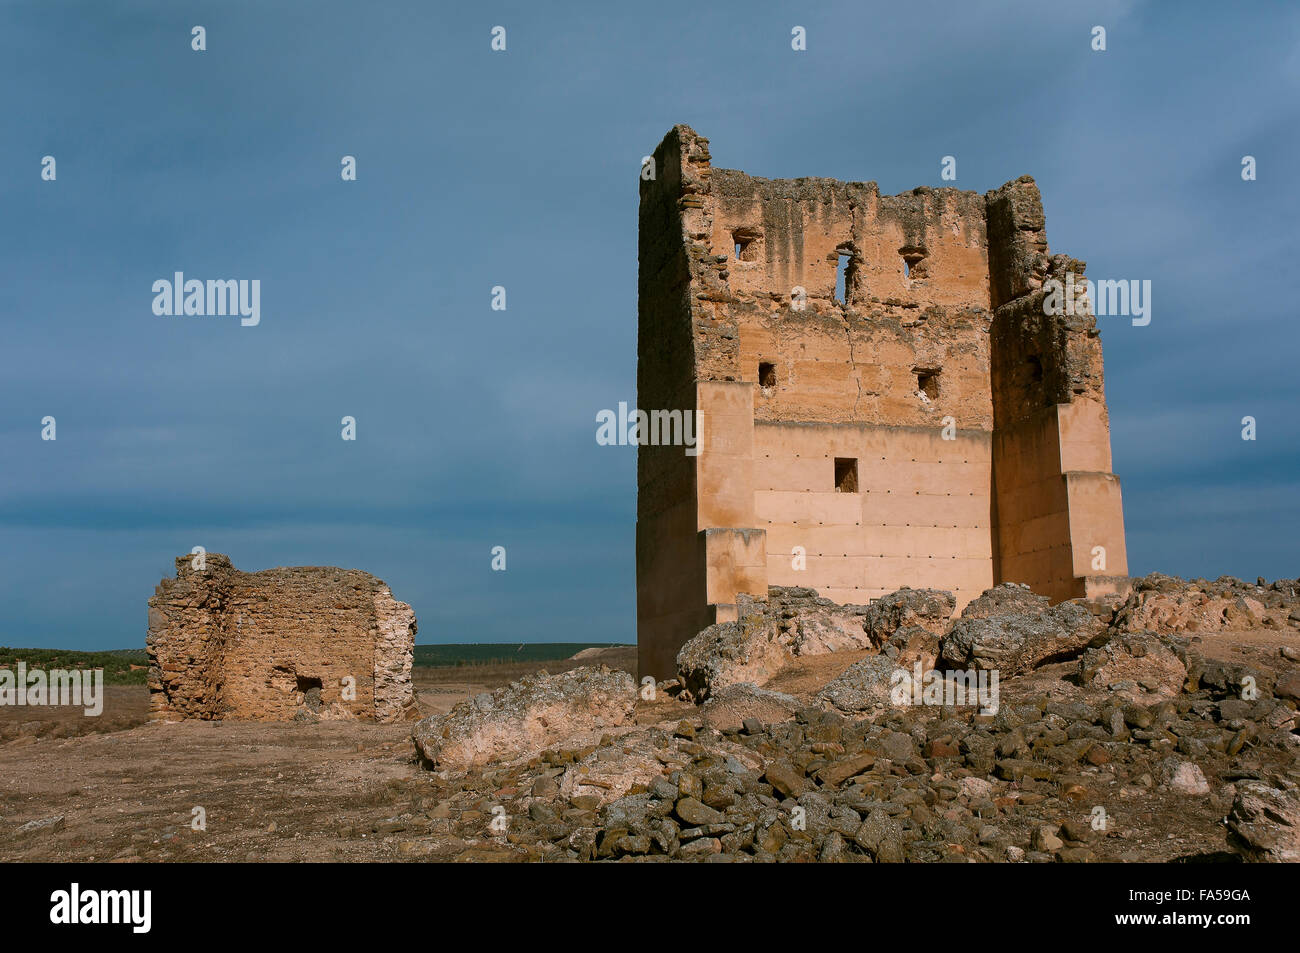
(797,623)
(812,625)
(304,643)
(865,684)
(929,609)
(912,644)
(609,778)
(526,716)
(394,656)
(696,813)
(1136,666)
(1264,823)
(786,778)
(882,837)
(44,825)
(1161,603)
(1005,599)
(731,706)
(840,771)
(1184,777)
(1019,641)
(750,650)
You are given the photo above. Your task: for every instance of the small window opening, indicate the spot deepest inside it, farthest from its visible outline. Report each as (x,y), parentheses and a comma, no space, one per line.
(310,689)
(913,261)
(1035,368)
(766,375)
(846,475)
(927,382)
(746,241)
(843,259)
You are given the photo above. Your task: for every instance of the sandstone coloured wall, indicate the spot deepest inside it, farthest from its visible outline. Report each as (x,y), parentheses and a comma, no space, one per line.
(306,642)
(881,400)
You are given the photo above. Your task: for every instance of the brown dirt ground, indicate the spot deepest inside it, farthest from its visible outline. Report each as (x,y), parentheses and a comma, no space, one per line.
(127,788)
(347,791)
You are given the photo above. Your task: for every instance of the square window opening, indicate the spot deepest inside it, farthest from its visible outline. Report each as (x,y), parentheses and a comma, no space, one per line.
(913,261)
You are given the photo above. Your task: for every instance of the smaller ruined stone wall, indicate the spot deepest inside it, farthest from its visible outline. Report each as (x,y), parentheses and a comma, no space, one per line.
(309,642)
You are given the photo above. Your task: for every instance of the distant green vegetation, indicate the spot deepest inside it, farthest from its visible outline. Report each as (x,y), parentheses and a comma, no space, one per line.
(115,663)
(480,653)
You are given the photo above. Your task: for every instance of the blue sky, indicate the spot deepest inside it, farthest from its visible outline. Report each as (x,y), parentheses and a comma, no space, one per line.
(476,427)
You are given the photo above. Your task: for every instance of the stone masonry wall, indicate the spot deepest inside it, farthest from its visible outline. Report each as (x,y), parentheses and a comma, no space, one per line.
(881,401)
(306,642)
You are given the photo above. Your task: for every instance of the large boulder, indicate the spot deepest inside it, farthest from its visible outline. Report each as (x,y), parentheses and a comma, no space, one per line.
(1004,599)
(1140,666)
(811,625)
(910,609)
(750,650)
(730,707)
(1019,641)
(795,622)
(912,644)
(866,684)
(526,717)
(1264,824)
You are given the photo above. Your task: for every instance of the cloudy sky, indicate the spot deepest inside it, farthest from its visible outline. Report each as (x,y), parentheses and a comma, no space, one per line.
(476,427)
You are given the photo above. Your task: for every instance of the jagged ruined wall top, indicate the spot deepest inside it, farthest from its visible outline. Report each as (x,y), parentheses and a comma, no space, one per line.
(931,277)
(306,642)
(923,247)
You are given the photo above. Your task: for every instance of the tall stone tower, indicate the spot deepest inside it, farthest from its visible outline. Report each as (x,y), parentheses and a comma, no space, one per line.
(881,399)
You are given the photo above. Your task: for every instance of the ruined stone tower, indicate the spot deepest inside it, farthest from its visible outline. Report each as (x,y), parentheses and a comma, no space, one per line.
(928,425)
(303,642)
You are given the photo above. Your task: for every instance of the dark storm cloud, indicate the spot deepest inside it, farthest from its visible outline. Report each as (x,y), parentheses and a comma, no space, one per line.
(476,428)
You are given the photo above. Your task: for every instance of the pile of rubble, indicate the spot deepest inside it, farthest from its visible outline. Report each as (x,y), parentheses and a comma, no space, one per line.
(1104,741)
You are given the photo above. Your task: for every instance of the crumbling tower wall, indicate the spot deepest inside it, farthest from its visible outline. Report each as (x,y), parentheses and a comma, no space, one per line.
(1058,511)
(276,644)
(849,356)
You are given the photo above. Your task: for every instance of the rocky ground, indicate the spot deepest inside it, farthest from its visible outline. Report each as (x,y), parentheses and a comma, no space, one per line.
(1157,727)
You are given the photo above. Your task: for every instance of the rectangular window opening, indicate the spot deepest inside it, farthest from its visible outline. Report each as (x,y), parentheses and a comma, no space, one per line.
(766,375)
(746,241)
(846,475)
(927,383)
